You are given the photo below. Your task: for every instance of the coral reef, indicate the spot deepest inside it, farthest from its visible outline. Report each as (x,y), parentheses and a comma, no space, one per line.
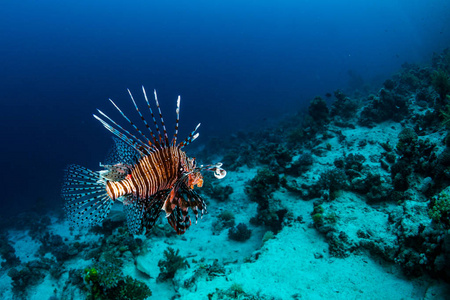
(260,188)
(7,252)
(441,83)
(343,108)
(389,105)
(225,219)
(106,281)
(270,211)
(27,275)
(318,110)
(415,156)
(239,233)
(218,192)
(439,208)
(202,271)
(171,264)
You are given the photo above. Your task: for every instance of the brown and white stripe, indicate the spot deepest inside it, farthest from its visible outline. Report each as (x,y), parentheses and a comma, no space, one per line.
(153,173)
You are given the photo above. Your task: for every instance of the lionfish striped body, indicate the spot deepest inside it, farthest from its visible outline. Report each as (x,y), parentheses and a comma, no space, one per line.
(147,175)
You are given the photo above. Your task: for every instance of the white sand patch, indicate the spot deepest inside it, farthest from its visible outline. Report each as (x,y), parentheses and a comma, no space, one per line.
(44,290)
(287,267)
(354,214)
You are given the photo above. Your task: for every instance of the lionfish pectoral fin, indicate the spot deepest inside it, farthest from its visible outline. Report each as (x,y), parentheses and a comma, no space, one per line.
(179,221)
(134,211)
(168,205)
(87,201)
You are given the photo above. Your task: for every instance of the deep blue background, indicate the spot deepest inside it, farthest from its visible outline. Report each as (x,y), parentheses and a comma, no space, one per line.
(235,64)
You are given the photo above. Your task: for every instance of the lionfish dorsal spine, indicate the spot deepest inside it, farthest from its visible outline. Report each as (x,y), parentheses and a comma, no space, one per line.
(166,138)
(137,144)
(159,138)
(132,124)
(137,141)
(154,120)
(191,137)
(143,120)
(177,121)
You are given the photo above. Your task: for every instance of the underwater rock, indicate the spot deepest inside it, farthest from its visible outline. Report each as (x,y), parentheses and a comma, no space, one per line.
(331,181)
(239,233)
(141,264)
(272,218)
(301,165)
(221,193)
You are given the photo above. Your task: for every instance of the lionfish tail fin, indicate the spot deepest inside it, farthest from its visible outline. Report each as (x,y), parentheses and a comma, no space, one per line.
(86,199)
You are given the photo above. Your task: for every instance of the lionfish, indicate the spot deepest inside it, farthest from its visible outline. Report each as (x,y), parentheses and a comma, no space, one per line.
(148,175)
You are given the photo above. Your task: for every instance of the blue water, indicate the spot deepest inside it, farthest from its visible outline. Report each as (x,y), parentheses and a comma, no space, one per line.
(236,64)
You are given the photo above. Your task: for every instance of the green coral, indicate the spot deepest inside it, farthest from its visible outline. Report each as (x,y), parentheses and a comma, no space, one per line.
(320,218)
(170,265)
(439,208)
(317,219)
(90,275)
(317,215)
(268,236)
